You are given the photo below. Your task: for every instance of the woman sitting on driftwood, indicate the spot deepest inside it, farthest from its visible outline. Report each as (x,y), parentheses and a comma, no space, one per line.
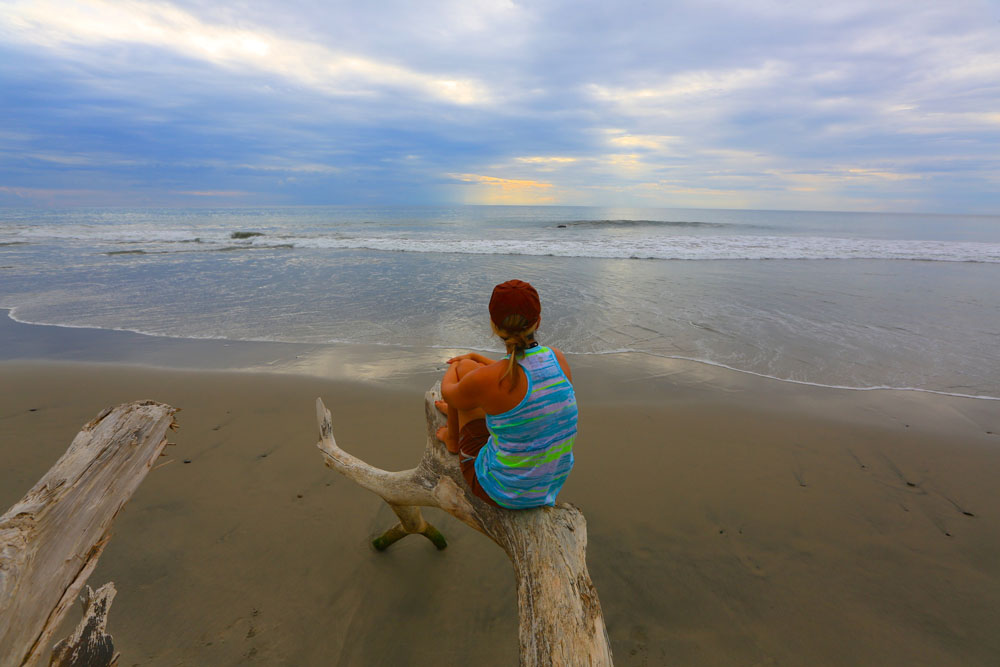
(513,421)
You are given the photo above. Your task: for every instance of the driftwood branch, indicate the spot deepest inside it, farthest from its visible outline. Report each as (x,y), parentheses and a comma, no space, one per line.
(560,615)
(90,645)
(51,539)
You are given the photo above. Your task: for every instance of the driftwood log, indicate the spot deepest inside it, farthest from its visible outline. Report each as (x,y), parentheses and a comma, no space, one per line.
(559,612)
(51,539)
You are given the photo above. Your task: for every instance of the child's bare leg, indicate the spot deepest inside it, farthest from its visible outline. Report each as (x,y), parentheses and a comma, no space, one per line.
(465,366)
(449,434)
(457,418)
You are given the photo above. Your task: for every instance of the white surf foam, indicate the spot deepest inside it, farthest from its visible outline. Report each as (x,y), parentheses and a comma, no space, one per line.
(535,242)
(685,248)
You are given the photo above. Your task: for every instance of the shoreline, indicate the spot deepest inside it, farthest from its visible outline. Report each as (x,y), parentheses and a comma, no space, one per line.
(731,519)
(309,359)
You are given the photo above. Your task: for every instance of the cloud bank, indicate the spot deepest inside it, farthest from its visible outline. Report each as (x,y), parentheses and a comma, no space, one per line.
(751,104)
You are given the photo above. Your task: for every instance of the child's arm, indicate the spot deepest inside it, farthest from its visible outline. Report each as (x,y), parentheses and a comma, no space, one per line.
(561,358)
(474,356)
(460,386)
(461,391)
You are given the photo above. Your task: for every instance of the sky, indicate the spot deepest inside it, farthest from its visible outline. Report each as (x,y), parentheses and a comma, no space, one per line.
(875,105)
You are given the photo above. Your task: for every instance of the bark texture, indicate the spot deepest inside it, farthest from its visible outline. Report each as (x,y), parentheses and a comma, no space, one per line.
(560,619)
(51,539)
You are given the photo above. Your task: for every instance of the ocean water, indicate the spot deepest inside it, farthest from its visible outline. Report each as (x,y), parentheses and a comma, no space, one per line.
(849,300)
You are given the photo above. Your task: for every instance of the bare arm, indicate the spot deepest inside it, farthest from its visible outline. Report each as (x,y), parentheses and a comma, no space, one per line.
(474,356)
(561,358)
(461,385)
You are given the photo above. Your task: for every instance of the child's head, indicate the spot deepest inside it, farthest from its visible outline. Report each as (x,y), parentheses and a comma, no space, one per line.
(514,313)
(514,307)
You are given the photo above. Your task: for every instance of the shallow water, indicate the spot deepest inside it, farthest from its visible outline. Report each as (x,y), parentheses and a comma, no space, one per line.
(854,300)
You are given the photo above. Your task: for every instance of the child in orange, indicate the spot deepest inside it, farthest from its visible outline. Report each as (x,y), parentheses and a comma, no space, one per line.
(513,422)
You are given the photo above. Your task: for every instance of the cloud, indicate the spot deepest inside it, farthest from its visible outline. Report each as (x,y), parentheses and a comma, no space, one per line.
(496,190)
(78,26)
(30,193)
(728,103)
(879,174)
(80,160)
(21,196)
(691,87)
(546,159)
(650,142)
(293,168)
(212,193)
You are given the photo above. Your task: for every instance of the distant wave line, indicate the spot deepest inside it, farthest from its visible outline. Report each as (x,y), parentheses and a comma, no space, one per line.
(646,223)
(228,248)
(670,248)
(557,244)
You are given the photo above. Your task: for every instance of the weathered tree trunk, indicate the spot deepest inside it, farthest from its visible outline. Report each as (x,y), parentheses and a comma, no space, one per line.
(560,615)
(51,539)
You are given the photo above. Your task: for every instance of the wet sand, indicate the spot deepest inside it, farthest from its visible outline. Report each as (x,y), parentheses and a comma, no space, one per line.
(731,519)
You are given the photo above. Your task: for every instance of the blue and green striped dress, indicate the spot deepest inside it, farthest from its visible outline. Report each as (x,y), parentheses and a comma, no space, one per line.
(530,451)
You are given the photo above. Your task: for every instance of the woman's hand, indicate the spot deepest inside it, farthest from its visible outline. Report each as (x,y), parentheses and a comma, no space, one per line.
(474,356)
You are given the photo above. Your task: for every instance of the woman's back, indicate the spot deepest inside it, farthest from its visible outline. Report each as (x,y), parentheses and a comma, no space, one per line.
(530,452)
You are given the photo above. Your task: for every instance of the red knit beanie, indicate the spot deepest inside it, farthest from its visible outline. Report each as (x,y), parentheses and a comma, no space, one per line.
(514,297)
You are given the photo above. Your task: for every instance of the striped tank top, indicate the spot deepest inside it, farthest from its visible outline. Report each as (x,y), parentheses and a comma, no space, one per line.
(530,450)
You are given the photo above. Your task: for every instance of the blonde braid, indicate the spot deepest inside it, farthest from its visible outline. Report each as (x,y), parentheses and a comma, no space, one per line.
(516,336)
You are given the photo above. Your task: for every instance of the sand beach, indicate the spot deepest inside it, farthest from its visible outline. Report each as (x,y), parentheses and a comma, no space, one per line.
(732,519)
(765,235)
